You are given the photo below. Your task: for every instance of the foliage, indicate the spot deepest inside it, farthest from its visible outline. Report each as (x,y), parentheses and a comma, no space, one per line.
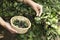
(45,27)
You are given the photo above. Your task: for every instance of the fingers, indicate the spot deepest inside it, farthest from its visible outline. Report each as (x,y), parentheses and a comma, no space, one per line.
(1,36)
(37,12)
(39,7)
(40,11)
(12,30)
(8,26)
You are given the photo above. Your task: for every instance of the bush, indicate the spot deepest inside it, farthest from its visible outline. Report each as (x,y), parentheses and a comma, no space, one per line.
(45,27)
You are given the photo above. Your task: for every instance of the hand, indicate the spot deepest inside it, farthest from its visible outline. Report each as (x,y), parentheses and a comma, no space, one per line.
(37,8)
(8,26)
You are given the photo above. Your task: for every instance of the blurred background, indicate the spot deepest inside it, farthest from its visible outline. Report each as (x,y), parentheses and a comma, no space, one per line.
(46,27)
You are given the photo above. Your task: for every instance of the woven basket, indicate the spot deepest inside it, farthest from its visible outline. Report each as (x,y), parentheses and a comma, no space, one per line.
(21,18)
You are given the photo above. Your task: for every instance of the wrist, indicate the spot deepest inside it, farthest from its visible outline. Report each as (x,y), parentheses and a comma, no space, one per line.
(31,3)
(27,1)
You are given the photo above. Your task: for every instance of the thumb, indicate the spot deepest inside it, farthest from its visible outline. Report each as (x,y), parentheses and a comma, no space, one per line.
(37,12)
(40,11)
(12,30)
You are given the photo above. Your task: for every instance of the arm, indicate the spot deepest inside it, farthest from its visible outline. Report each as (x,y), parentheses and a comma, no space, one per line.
(7,26)
(37,8)
(2,22)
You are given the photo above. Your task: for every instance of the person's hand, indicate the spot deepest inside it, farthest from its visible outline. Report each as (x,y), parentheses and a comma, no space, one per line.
(9,27)
(35,6)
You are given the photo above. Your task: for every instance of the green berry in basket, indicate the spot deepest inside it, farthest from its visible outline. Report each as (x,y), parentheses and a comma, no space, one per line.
(20,24)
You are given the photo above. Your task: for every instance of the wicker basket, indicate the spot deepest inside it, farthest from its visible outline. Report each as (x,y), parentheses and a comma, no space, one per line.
(21,18)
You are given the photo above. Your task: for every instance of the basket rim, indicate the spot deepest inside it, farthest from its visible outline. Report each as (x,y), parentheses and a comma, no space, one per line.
(19,17)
